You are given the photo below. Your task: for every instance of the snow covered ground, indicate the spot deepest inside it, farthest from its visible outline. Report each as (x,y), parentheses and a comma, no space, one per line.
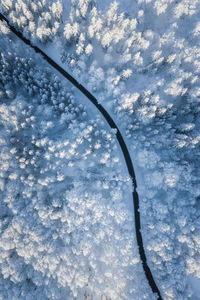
(141,59)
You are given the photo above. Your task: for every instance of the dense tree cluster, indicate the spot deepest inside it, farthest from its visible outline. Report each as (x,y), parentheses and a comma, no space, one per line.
(158,107)
(65,229)
(143,65)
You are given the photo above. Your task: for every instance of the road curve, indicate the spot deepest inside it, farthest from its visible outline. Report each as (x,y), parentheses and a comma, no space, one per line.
(121,143)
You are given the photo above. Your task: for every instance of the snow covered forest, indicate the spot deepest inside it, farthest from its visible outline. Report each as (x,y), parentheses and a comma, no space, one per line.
(66,216)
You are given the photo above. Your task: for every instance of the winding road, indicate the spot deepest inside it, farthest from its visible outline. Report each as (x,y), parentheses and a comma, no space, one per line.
(122,144)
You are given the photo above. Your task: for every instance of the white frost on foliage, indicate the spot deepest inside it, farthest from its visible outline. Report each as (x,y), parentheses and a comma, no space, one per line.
(4,28)
(65,230)
(141,59)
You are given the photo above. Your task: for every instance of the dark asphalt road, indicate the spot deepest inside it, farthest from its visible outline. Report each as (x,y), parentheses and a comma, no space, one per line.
(121,143)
